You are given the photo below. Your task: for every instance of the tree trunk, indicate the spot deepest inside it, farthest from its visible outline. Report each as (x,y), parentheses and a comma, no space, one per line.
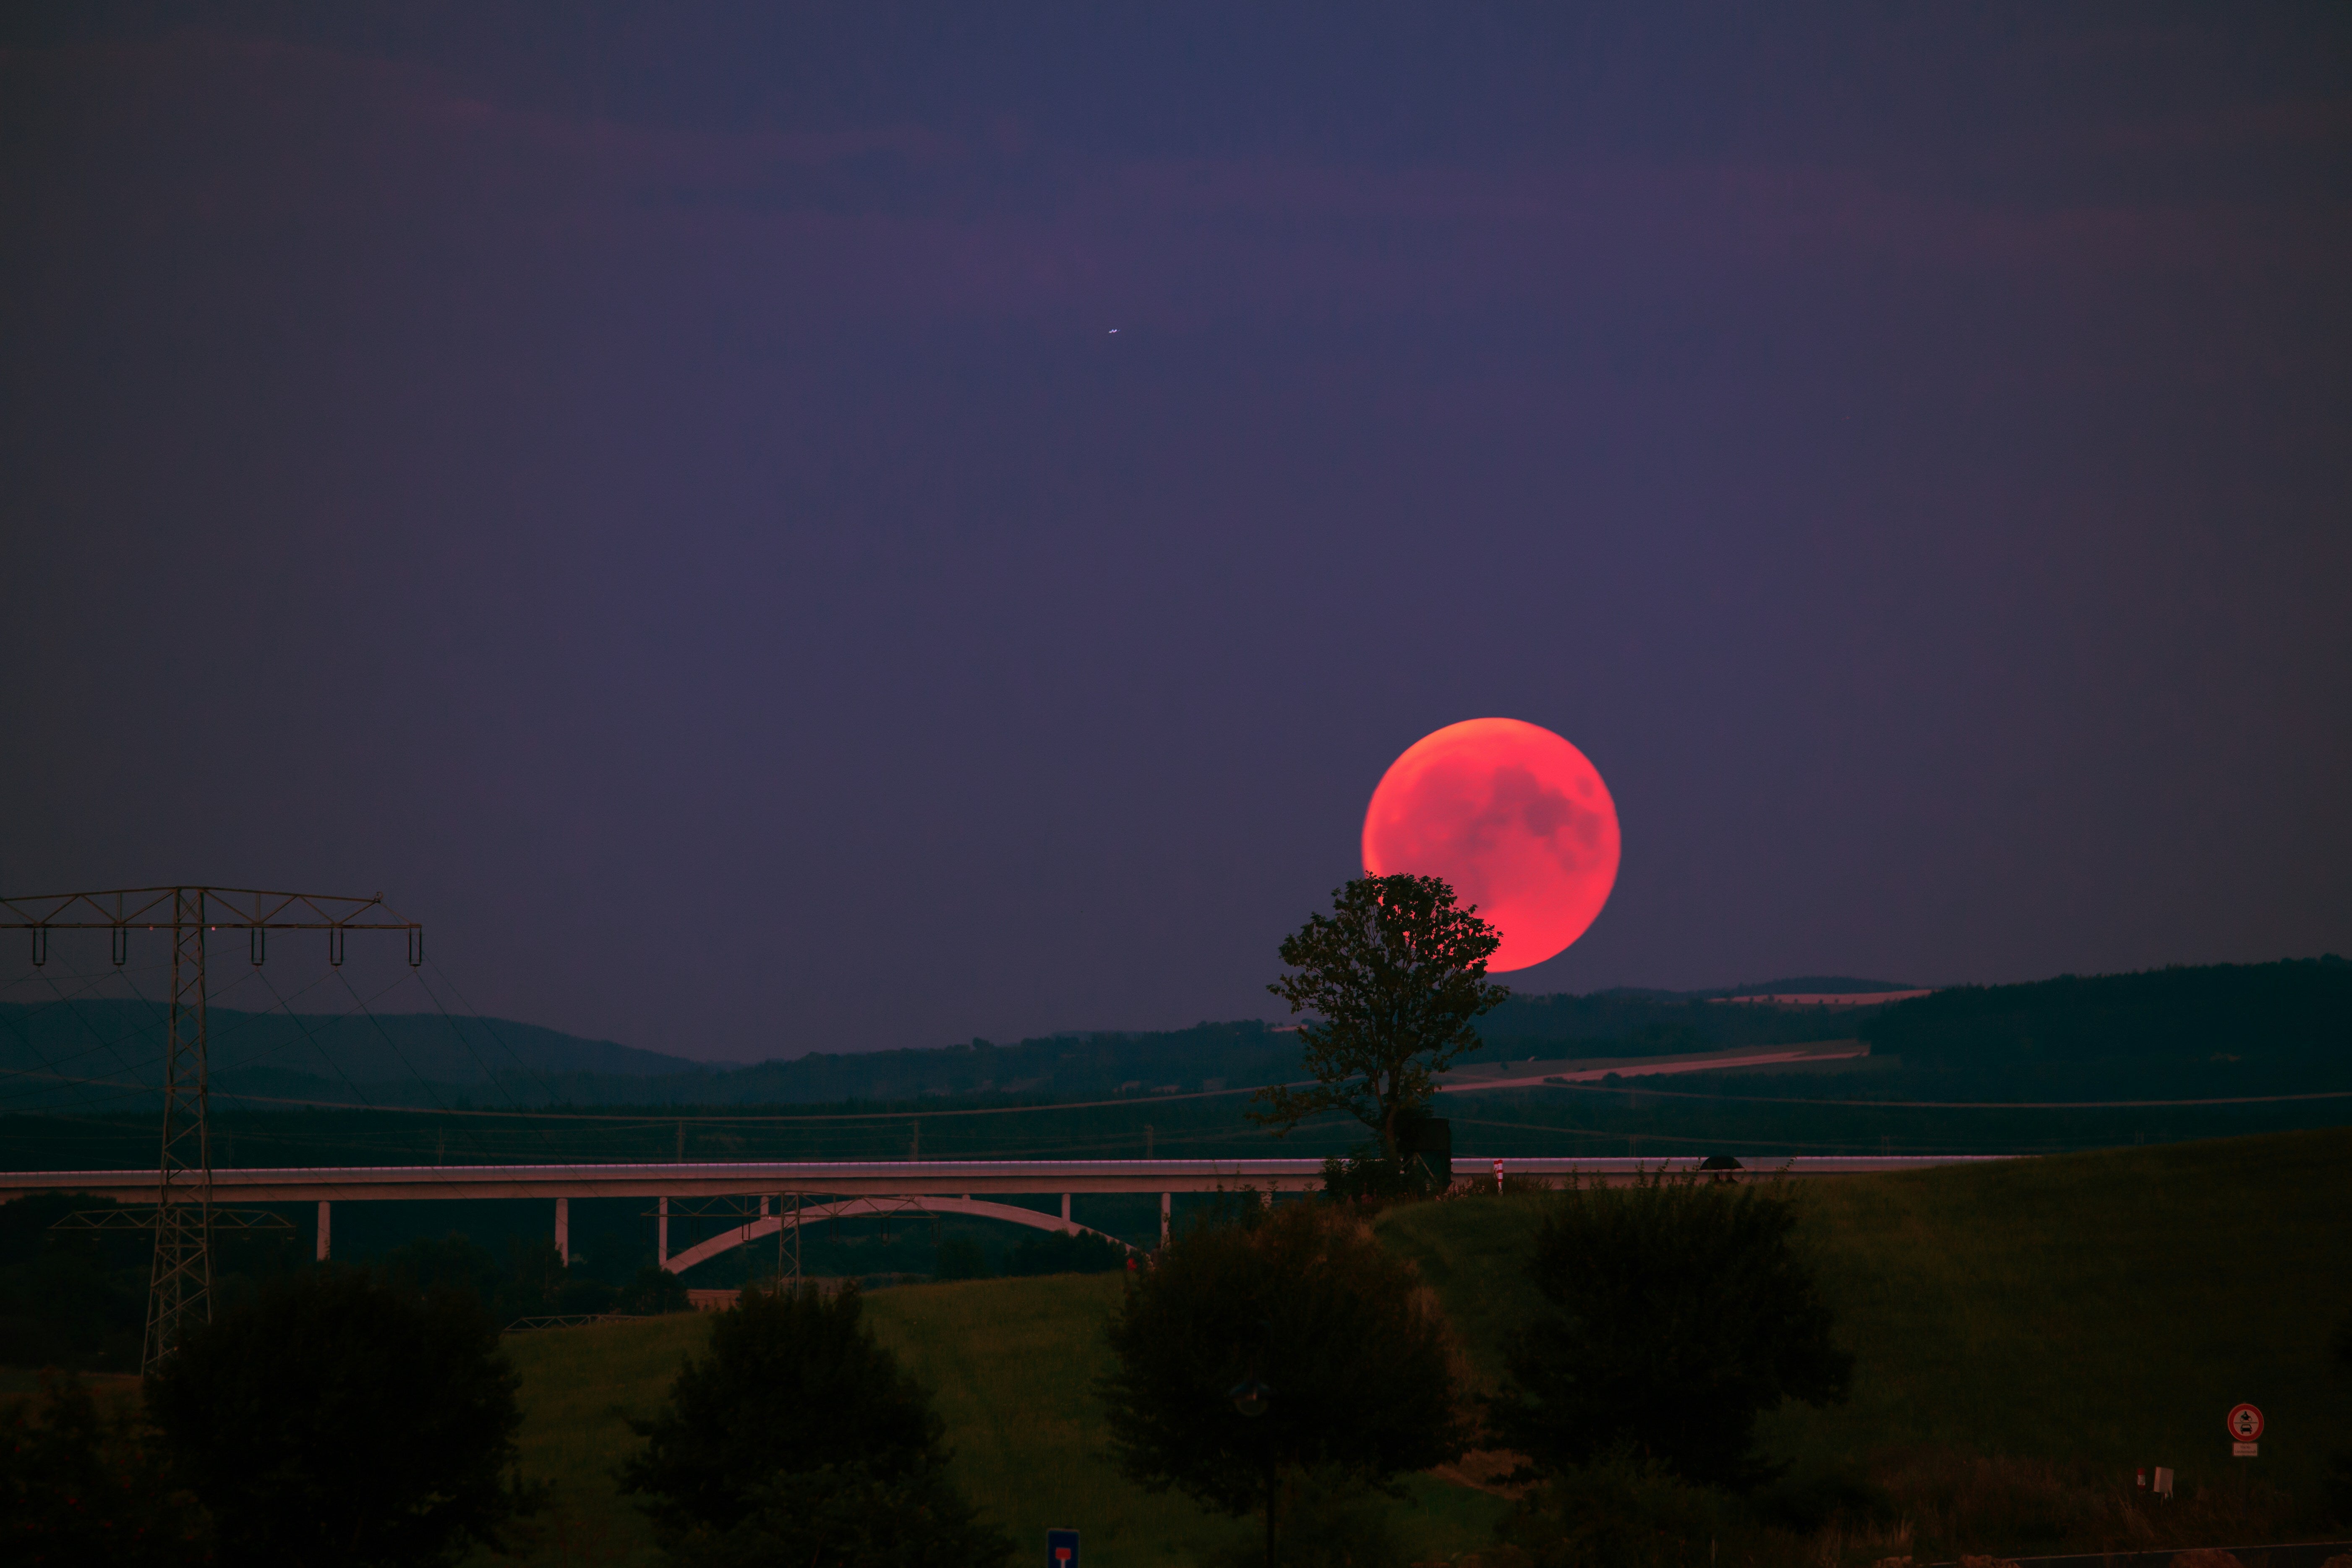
(1269,1514)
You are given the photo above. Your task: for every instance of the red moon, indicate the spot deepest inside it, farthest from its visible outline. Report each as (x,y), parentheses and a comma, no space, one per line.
(1515,818)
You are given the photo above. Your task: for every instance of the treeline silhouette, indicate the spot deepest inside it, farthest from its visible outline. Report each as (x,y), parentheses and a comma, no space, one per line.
(2295,1011)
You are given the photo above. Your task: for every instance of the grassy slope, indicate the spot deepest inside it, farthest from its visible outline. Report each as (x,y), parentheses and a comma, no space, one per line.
(2106,1307)
(573,1437)
(1012,1361)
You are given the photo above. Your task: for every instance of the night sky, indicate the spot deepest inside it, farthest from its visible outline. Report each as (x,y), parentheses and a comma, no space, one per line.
(780,527)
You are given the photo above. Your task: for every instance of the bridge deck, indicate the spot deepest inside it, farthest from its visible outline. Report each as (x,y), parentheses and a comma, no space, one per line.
(847,1177)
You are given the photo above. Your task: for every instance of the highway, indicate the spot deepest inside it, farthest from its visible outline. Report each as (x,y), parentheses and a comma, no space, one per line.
(1536,1074)
(853,1178)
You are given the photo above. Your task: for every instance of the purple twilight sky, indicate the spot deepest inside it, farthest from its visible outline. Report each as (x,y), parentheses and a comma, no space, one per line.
(775,527)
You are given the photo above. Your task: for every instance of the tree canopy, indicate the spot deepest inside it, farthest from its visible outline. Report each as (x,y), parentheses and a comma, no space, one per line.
(1334,1333)
(78,1488)
(338,1418)
(1393,980)
(799,1438)
(1680,1313)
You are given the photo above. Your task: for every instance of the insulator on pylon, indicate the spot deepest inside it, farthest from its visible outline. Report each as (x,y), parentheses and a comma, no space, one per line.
(122,954)
(415,947)
(258,942)
(335,945)
(40,945)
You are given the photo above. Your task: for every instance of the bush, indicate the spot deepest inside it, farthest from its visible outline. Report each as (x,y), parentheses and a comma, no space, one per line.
(654,1291)
(538,1284)
(337,1417)
(1373,1179)
(796,1390)
(1681,1313)
(1353,1362)
(1059,1252)
(450,1262)
(838,1516)
(70,1298)
(1624,1511)
(76,1488)
(1329,1520)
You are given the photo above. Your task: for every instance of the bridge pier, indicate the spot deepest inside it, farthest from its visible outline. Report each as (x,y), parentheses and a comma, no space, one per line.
(563,1230)
(661,1235)
(1066,1210)
(1166,1201)
(325,1225)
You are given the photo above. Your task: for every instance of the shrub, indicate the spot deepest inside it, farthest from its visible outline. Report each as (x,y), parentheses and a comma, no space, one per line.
(78,1488)
(838,1516)
(1329,1520)
(794,1384)
(654,1291)
(1354,1364)
(334,1416)
(1681,1313)
(1626,1511)
(1373,1179)
(1059,1252)
(69,1299)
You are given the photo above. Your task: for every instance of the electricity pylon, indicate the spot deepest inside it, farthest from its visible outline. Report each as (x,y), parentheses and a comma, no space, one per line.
(179,1280)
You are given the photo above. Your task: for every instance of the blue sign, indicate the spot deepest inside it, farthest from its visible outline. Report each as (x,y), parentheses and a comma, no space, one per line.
(1061,1549)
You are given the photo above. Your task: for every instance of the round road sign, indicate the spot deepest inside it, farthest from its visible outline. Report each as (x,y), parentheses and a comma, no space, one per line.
(2245,1422)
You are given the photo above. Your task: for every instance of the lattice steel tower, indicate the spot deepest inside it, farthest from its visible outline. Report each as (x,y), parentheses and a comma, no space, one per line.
(179,1280)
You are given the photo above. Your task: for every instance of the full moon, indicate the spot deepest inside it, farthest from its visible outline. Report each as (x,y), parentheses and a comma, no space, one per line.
(1515,818)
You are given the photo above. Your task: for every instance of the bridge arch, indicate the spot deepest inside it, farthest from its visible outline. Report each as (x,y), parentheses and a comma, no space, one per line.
(873,1208)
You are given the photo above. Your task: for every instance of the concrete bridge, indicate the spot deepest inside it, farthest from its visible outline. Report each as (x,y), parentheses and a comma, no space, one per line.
(832,1189)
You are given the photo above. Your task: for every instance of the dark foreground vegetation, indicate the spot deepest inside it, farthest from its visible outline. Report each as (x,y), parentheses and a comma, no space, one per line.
(2022,1339)
(76,1299)
(336,1415)
(1279,1356)
(798,1439)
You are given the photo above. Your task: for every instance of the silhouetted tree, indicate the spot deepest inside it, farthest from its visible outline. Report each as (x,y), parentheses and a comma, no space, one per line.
(960,1257)
(1064,1252)
(68,1298)
(76,1488)
(1393,980)
(1302,1315)
(338,1418)
(654,1291)
(450,1262)
(795,1386)
(1680,1313)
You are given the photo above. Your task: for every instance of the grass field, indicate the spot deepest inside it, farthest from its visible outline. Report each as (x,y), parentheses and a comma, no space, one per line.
(2105,1308)
(1012,1361)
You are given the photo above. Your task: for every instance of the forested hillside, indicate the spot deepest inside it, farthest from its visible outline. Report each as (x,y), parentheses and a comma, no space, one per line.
(2218,1029)
(2297,1011)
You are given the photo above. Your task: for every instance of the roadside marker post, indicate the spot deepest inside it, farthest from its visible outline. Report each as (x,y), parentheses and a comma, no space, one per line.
(2245,1424)
(1061,1549)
